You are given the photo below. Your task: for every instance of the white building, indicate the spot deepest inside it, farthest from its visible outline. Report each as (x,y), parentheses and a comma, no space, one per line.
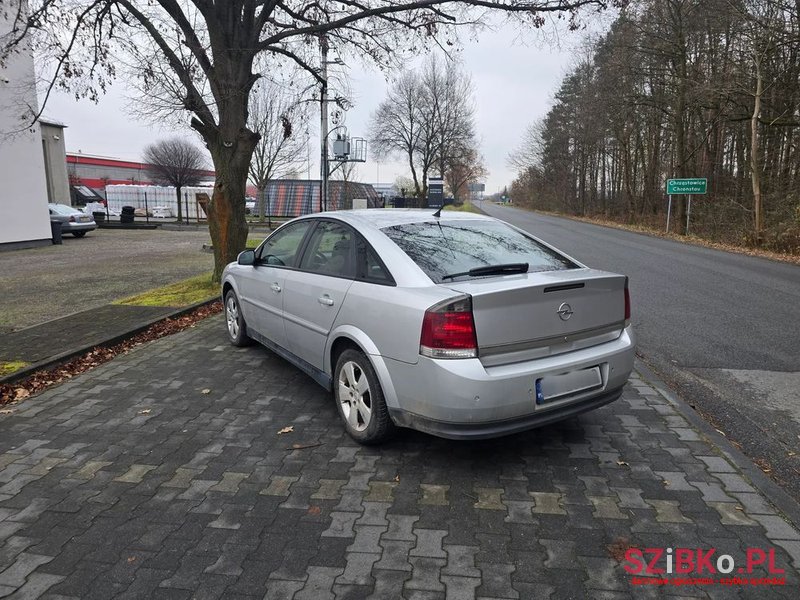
(24,216)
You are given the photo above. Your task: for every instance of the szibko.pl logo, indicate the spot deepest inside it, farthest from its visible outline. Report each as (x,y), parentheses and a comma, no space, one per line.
(702,566)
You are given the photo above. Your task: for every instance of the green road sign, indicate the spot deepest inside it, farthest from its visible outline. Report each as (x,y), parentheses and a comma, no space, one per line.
(695,185)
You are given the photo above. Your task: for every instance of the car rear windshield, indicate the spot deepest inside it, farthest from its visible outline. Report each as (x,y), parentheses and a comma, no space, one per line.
(443,248)
(62,209)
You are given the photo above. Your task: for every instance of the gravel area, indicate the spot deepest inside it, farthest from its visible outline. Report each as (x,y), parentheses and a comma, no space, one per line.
(40,284)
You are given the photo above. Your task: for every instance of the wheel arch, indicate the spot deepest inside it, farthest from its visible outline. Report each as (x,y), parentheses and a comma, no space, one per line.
(348,336)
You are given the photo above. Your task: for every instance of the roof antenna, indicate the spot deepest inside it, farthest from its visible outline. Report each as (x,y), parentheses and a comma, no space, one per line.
(438,213)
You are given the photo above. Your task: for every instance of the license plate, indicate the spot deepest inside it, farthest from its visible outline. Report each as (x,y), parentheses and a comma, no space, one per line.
(553,387)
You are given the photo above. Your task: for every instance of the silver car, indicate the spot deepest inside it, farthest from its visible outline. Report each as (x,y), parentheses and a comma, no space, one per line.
(457,324)
(72,220)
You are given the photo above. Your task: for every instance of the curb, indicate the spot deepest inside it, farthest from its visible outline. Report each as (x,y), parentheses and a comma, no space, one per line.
(70,354)
(768,488)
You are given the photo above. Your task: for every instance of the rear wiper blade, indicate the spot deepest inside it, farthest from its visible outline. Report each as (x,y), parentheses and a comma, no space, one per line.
(491,270)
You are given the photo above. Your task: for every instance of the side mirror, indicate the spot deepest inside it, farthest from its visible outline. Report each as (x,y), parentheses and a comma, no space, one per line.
(247,258)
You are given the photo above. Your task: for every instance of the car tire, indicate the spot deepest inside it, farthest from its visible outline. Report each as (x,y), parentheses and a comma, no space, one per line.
(234,320)
(79,233)
(359,399)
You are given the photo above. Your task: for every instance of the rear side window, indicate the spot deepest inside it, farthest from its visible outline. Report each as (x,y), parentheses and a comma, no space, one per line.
(445,247)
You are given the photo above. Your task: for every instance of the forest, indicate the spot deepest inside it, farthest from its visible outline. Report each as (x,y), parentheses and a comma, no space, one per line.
(678,89)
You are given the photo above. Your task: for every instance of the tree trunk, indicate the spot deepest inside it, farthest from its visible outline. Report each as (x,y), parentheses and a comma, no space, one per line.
(754,166)
(180,210)
(226,220)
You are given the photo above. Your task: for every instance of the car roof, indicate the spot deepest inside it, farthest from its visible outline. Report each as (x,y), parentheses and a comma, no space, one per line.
(380,218)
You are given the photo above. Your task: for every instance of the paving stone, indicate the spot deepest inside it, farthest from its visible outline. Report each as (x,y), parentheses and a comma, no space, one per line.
(380,491)
(734,483)
(630,498)
(135,474)
(425,574)
(547,503)
(279,486)
(387,583)
(25,564)
(496,581)
(374,514)
(560,554)
(359,568)
(341,525)
(732,514)
(319,585)
(328,489)
(230,483)
(461,561)
(401,528)
(777,528)
(282,590)
(606,508)
(460,587)
(366,539)
(429,543)
(182,478)
(434,495)
(713,492)
(717,464)
(675,481)
(489,499)
(395,555)
(667,511)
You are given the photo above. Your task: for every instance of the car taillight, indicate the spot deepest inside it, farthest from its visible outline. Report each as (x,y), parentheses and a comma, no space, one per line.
(627,303)
(448,330)
(71,219)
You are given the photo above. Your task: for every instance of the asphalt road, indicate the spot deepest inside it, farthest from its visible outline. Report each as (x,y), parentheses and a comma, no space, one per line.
(723,328)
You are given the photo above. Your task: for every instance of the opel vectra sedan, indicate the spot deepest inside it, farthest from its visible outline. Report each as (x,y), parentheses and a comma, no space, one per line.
(457,324)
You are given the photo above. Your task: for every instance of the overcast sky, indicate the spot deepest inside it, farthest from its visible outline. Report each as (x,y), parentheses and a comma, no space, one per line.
(515,76)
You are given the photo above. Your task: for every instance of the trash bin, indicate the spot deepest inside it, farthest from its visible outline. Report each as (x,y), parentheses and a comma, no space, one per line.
(99,217)
(55,230)
(127,214)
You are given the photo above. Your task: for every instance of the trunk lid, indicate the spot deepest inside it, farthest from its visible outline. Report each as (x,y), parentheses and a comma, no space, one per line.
(520,317)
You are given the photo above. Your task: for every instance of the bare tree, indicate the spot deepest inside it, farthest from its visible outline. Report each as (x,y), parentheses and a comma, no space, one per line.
(427,118)
(279,117)
(176,162)
(464,167)
(198,57)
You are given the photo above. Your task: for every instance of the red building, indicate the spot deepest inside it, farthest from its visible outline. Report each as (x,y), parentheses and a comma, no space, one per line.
(98,171)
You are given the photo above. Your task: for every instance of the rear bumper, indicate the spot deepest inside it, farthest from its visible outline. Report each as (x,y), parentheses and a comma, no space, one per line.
(467,400)
(70,227)
(479,431)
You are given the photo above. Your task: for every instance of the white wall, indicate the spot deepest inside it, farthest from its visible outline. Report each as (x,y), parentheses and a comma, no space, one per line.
(24,215)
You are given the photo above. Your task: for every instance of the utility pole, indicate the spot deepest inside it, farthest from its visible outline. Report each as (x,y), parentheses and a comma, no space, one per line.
(323,124)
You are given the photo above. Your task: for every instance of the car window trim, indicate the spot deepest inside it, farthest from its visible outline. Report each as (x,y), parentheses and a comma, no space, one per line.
(353,254)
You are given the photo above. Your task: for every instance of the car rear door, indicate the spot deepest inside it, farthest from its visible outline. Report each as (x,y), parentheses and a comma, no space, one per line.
(261,285)
(314,293)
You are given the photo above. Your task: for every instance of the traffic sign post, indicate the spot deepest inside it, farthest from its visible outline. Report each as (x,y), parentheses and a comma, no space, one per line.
(687,187)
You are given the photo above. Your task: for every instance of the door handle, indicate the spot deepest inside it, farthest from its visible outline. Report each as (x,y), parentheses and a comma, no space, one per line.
(275,288)
(325,300)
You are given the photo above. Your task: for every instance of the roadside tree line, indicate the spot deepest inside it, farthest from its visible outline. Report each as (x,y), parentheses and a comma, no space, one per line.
(675,89)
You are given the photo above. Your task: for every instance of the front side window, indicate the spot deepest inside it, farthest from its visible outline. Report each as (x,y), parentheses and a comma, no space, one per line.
(447,250)
(330,250)
(282,247)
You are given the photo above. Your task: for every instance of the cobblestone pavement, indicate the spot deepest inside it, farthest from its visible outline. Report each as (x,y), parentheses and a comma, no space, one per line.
(162,474)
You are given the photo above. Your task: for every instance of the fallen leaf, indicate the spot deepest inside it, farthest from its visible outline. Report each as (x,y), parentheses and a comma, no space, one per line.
(205,391)
(6,411)
(665,482)
(21,393)
(314,510)
(739,508)
(287,429)
(397,478)
(131,559)
(622,462)
(146,411)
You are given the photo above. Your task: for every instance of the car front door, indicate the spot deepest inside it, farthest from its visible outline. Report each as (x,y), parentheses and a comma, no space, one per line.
(261,285)
(315,291)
